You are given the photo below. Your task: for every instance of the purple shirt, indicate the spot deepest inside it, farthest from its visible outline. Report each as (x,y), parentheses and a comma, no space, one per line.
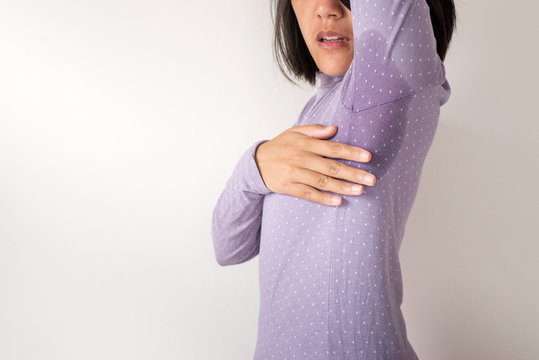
(330,277)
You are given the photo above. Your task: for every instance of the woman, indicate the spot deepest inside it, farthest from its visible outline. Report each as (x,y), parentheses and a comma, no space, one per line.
(330,280)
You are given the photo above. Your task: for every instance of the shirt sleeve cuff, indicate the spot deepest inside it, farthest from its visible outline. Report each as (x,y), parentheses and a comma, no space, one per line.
(253,178)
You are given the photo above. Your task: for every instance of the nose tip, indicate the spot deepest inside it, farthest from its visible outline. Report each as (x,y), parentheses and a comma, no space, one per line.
(330,8)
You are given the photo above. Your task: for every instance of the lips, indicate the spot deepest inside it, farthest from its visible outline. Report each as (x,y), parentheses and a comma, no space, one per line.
(323,33)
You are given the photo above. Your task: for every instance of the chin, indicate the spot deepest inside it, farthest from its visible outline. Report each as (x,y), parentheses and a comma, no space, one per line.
(335,68)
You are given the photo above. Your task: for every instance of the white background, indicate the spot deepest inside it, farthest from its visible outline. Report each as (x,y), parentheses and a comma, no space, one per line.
(120,122)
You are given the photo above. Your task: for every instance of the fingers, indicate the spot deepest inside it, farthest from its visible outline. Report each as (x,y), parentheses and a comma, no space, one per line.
(315,130)
(309,193)
(327,183)
(338,150)
(330,148)
(310,165)
(337,170)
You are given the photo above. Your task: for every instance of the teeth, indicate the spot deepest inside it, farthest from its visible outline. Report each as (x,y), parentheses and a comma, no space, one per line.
(333,38)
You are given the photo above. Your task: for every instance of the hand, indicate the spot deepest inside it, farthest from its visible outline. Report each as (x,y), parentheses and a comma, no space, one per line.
(295,163)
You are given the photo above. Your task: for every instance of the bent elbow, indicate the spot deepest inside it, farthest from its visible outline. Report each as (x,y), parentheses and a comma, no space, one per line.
(223,261)
(234,249)
(227,259)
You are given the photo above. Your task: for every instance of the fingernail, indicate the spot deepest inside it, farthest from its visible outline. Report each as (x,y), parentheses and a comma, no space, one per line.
(364,156)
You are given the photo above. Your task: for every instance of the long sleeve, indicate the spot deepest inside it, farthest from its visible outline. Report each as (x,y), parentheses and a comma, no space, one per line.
(334,273)
(394,53)
(238,213)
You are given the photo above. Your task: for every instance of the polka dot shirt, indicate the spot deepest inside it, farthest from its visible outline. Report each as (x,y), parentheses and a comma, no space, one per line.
(330,278)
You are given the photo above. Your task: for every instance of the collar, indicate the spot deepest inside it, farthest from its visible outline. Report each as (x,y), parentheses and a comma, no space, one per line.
(327,81)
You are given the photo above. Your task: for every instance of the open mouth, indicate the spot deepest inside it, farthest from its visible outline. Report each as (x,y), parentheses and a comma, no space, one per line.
(333,39)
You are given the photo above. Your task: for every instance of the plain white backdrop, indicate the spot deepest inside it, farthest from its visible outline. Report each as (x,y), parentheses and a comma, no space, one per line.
(120,122)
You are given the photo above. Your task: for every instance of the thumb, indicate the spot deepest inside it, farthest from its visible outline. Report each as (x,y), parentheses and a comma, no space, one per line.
(317,130)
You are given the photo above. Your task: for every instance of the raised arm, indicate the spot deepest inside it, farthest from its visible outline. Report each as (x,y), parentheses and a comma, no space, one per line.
(394,53)
(238,213)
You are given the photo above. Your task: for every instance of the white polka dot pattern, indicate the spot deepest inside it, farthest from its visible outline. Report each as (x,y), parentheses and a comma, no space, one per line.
(394,53)
(330,278)
(237,214)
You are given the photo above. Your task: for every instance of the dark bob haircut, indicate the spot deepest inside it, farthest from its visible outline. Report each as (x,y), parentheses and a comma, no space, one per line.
(291,53)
